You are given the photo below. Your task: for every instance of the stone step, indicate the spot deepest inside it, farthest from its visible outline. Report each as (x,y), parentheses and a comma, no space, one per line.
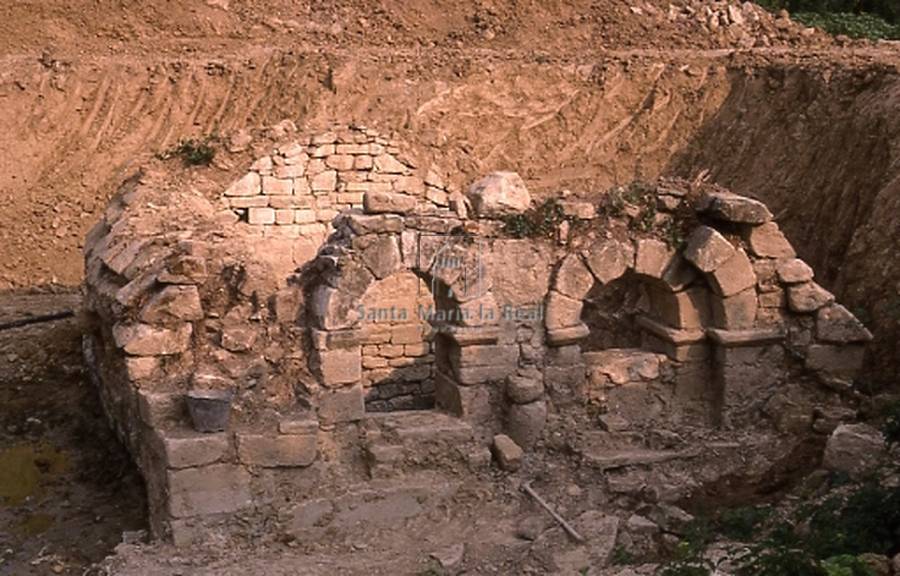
(603,458)
(397,442)
(375,504)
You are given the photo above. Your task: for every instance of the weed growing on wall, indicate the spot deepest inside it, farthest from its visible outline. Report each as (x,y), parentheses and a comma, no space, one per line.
(193,152)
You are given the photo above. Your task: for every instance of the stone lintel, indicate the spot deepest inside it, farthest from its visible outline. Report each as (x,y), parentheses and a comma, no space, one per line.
(565,336)
(468,336)
(737,338)
(669,334)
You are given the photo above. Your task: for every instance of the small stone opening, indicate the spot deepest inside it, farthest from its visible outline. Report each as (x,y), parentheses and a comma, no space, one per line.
(611,310)
(398,348)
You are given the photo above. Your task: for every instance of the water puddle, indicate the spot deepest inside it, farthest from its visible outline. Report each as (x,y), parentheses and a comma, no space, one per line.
(25,470)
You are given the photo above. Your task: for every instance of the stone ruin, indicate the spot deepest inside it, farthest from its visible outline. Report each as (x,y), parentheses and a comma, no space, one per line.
(371,319)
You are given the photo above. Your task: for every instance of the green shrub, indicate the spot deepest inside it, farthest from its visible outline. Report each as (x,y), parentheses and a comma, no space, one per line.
(874,19)
(868,520)
(193,152)
(846,566)
(542,221)
(852,25)
(743,523)
(782,553)
(889,10)
(891,427)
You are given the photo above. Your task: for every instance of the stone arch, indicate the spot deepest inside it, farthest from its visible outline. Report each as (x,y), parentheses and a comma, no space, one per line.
(370,248)
(764,309)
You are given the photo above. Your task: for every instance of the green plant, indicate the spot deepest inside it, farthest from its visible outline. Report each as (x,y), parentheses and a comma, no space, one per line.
(866,520)
(743,523)
(782,553)
(688,558)
(874,19)
(852,25)
(846,565)
(542,221)
(194,152)
(622,557)
(891,427)
(889,10)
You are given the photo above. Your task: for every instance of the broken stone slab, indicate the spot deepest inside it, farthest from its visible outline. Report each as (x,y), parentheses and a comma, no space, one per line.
(604,458)
(808,297)
(834,323)
(573,278)
(284,450)
(387,202)
(609,259)
(768,241)
(854,449)
(793,271)
(213,489)
(737,338)
(707,249)
(499,194)
(146,340)
(507,453)
(734,208)
(734,275)
(173,303)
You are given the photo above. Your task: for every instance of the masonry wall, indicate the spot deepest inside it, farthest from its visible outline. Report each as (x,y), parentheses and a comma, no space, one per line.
(397,354)
(287,290)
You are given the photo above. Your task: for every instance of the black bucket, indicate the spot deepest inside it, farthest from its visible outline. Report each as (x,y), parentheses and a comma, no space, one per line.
(209,409)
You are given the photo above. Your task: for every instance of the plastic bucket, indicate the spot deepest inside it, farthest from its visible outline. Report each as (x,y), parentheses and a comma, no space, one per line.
(209,409)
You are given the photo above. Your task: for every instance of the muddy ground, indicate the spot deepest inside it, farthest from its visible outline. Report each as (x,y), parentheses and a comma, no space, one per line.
(67,489)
